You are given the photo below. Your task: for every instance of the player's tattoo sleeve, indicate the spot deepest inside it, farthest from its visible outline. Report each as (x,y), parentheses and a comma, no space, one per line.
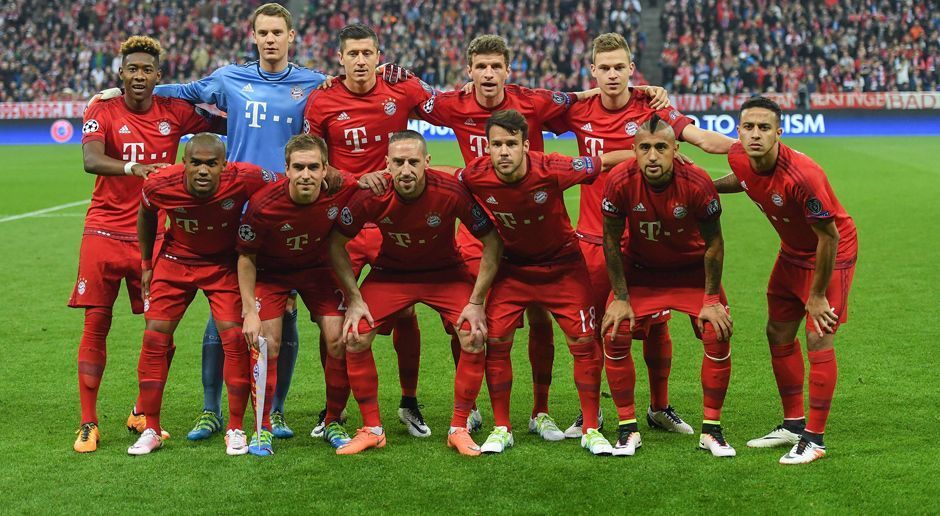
(489,264)
(728,184)
(714,255)
(146,232)
(828,244)
(613,233)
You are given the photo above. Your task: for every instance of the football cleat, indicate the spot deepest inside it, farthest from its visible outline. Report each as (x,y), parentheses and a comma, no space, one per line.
(366,437)
(574,431)
(595,442)
(667,419)
(236,442)
(137,423)
(627,443)
(545,426)
(803,452)
(497,442)
(321,423)
(336,435)
(461,440)
(779,436)
(279,427)
(414,421)
(148,442)
(714,441)
(474,421)
(88,437)
(261,446)
(207,424)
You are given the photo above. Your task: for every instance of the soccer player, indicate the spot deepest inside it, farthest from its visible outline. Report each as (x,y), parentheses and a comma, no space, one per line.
(608,122)
(672,260)
(812,276)
(356,115)
(418,262)
(282,245)
(542,265)
(202,198)
(124,140)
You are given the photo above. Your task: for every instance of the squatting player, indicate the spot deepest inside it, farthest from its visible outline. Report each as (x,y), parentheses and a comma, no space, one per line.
(418,262)
(672,260)
(202,198)
(812,275)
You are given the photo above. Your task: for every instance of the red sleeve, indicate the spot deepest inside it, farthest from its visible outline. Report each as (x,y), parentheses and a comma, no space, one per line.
(615,202)
(436,109)
(706,205)
(355,213)
(560,124)
(251,233)
(677,120)
(97,120)
(570,171)
(810,189)
(191,119)
(417,91)
(472,214)
(550,104)
(312,120)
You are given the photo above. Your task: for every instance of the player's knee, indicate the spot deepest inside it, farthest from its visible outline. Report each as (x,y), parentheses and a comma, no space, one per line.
(780,333)
(618,348)
(469,344)
(718,350)
(816,343)
(335,347)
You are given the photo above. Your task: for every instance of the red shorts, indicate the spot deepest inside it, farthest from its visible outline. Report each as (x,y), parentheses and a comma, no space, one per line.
(789,286)
(175,284)
(563,289)
(102,263)
(364,247)
(318,288)
(468,246)
(387,293)
(597,273)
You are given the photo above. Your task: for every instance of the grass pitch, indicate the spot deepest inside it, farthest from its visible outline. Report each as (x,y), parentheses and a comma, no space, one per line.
(882,434)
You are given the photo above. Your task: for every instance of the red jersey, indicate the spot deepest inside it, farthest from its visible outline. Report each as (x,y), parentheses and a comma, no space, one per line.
(599,129)
(462,113)
(356,126)
(793,196)
(203,230)
(530,213)
(663,223)
(286,236)
(417,235)
(151,136)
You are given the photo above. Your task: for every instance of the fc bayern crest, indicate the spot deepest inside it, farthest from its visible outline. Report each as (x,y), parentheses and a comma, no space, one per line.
(673,114)
(296,93)
(228,204)
(82,285)
(246,233)
(390,108)
(146,305)
(332,212)
(631,128)
(434,220)
(578,164)
(559,98)
(268,176)
(680,212)
(164,128)
(777,199)
(540,197)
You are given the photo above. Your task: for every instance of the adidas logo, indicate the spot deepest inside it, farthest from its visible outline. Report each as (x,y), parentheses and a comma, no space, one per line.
(124,130)
(587,127)
(386,220)
(491,200)
(287,227)
(343,116)
(248,89)
(469,122)
(639,207)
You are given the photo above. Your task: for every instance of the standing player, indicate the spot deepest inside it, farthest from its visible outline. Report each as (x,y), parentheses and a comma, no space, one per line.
(282,244)
(417,262)
(812,275)
(202,198)
(356,116)
(542,265)
(672,260)
(603,123)
(124,140)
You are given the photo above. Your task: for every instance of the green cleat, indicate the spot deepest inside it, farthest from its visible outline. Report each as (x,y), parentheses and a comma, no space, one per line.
(207,424)
(279,427)
(262,446)
(336,435)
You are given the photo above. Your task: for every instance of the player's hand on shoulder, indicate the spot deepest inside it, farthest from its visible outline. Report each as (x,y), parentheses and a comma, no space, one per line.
(822,315)
(685,160)
(144,171)
(618,311)
(467,88)
(333,181)
(659,97)
(375,181)
(719,318)
(327,82)
(109,93)
(393,73)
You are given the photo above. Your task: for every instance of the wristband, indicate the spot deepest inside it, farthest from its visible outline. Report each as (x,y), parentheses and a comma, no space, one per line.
(711,299)
(472,303)
(146,265)
(128,166)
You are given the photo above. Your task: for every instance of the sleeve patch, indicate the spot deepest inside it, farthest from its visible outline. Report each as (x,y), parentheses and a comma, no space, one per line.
(346,216)
(246,233)
(609,207)
(91,126)
(713,207)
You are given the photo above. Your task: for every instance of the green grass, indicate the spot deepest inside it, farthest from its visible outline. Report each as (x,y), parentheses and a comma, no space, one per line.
(881,436)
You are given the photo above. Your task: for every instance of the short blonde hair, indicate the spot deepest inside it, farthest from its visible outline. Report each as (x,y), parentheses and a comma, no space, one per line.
(609,42)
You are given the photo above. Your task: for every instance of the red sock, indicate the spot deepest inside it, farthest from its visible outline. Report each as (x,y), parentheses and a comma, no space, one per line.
(169,361)
(657,353)
(716,372)
(467,383)
(151,374)
(787,361)
(236,370)
(92,357)
(823,372)
(542,358)
(499,380)
(621,375)
(337,387)
(364,381)
(587,379)
(406,338)
(270,385)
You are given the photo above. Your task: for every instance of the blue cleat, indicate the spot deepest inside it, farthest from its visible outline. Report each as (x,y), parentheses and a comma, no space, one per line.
(336,435)
(207,424)
(279,427)
(262,447)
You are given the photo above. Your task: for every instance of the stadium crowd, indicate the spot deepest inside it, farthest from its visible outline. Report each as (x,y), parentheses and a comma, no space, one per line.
(749,46)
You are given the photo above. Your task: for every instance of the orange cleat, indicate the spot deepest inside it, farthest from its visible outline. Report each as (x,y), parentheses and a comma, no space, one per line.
(460,439)
(137,423)
(88,437)
(366,437)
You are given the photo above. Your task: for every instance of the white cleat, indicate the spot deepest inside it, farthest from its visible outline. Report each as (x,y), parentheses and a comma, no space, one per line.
(146,443)
(596,443)
(474,421)
(667,419)
(414,421)
(574,431)
(236,442)
(714,441)
(803,452)
(543,425)
(499,440)
(627,444)
(777,437)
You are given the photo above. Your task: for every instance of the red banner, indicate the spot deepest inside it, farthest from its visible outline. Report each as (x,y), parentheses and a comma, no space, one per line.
(49,109)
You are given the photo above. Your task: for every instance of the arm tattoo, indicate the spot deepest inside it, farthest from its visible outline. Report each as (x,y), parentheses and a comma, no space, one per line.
(613,233)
